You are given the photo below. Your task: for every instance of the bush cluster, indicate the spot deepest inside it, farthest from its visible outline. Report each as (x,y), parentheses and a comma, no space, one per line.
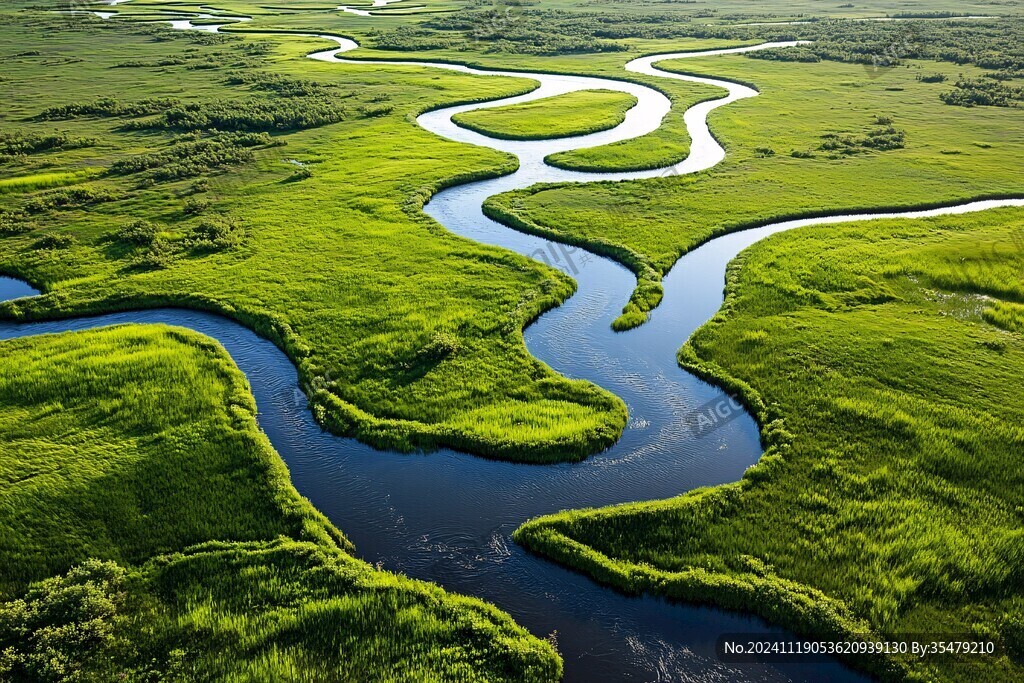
(55,241)
(282,86)
(882,138)
(969,92)
(138,63)
(254,115)
(373,111)
(796,54)
(13,223)
(524,32)
(441,345)
(54,632)
(108,107)
(215,234)
(193,158)
(157,256)
(136,233)
(195,206)
(67,198)
(13,144)
(998,45)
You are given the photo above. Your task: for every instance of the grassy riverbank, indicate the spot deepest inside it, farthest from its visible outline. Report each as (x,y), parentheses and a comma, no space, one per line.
(576,113)
(298,215)
(132,458)
(802,147)
(887,498)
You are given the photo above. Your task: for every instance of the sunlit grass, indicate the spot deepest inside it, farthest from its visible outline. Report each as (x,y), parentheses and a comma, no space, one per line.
(888,495)
(39,181)
(340,267)
(139,446)
(576,113)
(649,224)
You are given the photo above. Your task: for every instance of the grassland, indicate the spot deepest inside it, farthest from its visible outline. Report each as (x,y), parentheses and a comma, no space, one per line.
(887,500)
(778,165)
(666,146)
(132,461)
(333,260)
(576,113)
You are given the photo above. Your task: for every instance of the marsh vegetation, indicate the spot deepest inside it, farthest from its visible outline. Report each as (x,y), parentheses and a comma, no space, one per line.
(322,259)
(886,500)
(142,167)
(577,113)
(151,532)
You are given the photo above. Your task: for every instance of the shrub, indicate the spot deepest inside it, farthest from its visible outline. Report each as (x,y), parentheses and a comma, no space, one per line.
(108,107)
(71,198)
(369,112)
(1012,633)
(136,63)
(215,234)
(156,257)
(12,144)
(195,206)
(282,86)
(61,623)
(13,223)
(137,233)
(883,138)
(193,158)
(58,241)
(970,92)
(256,115)
(441,345)
(789,54)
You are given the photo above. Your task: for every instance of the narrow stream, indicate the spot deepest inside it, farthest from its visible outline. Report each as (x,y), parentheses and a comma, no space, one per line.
(446,517)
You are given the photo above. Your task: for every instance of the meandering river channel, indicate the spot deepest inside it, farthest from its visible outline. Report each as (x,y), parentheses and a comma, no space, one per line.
(447,517)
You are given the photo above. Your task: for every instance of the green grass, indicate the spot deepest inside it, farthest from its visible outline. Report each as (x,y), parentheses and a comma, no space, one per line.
(666,146)
(575,113)
(408,337)
(649,224)
(888,496)
(40,180)
(340,268)
(188,466)
(133,454)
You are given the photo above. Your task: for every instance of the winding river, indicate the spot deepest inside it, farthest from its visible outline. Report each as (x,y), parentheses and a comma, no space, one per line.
(446,517)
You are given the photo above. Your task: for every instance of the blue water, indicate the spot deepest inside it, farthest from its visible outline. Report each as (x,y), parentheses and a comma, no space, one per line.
(446,517)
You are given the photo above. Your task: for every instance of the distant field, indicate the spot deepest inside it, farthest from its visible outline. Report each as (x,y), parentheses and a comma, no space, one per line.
(888,495)
(577,113)
(779,165)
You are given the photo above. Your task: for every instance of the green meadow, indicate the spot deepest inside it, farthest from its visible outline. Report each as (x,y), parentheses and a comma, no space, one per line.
(780,164)
(150,532)
(576,113)
(887,501)
(311,235)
